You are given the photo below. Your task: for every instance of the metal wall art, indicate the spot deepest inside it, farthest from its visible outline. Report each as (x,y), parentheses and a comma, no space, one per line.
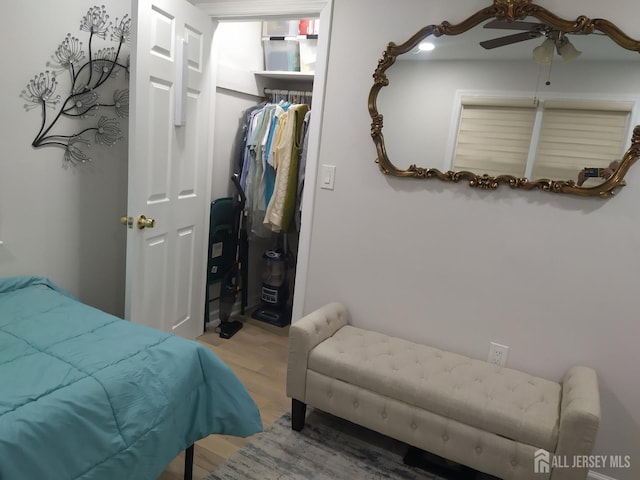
(90,74)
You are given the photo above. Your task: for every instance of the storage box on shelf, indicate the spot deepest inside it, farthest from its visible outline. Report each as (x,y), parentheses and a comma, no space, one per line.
(309,26)
(290,45)
(308,53)
(281,28)
(281,54)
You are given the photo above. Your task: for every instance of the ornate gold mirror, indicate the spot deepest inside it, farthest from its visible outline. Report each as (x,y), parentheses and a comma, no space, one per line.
(524,98)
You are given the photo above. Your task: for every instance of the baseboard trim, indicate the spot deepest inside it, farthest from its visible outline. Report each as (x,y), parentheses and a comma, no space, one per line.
(598,476)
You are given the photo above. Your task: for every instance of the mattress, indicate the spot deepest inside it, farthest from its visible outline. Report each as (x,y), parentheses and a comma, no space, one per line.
(86,395)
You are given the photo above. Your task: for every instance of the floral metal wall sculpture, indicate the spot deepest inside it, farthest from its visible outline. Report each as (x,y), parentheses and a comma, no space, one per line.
(88,72)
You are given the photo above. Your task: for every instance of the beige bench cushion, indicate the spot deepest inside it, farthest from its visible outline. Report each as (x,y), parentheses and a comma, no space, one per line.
(500,400)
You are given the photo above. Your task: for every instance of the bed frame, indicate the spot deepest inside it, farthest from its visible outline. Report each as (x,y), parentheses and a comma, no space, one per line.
(188,463)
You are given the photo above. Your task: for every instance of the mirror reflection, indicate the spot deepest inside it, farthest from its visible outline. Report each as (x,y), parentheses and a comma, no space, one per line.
(519,98)
(460,106)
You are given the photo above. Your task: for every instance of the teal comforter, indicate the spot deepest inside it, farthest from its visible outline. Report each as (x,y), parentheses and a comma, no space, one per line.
(85,395)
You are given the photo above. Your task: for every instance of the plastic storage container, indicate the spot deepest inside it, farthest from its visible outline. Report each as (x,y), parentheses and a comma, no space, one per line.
(281,54)
(309,26)
(281,28)
(308,53)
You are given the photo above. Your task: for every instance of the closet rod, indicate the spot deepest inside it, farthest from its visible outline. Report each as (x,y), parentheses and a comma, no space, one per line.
(270,91)
(293,96)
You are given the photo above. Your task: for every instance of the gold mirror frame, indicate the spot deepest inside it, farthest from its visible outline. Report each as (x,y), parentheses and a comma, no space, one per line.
(509,10)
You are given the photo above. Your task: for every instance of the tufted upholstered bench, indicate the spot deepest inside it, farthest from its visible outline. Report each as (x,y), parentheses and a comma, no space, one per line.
(490,418)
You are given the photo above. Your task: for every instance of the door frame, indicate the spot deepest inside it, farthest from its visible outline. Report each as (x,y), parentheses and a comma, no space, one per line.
(257,10)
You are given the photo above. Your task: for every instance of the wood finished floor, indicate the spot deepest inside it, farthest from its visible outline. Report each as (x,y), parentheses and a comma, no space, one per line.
(258,356)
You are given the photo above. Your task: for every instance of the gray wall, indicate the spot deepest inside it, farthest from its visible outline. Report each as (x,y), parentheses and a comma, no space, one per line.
(554,277)
(57,222)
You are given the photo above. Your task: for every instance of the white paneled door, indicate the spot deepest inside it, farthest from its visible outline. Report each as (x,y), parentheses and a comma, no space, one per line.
(169,166)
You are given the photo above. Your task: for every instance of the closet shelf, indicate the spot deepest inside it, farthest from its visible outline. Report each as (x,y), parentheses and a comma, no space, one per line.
(283,75)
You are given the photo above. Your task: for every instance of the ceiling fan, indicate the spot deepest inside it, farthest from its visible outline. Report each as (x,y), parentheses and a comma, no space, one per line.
(555,40)
(532,30)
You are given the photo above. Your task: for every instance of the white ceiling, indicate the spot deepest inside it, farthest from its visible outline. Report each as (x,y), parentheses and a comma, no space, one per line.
(466,47)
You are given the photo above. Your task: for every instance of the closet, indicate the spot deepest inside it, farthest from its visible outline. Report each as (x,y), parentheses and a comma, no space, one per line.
(268,72)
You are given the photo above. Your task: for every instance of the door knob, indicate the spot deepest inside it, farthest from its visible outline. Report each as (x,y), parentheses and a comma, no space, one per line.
(144,222)
(127,221)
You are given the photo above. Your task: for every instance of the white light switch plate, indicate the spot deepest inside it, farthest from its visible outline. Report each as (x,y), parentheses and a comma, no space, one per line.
(327,176)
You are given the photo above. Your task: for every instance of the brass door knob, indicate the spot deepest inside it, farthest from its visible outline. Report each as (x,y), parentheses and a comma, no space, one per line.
(144,222)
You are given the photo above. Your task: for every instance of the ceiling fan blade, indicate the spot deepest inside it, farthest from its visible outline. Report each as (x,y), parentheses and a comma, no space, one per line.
(509,39)
(504,25)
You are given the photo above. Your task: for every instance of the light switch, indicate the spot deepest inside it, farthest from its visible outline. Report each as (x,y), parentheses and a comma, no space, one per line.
(328,176)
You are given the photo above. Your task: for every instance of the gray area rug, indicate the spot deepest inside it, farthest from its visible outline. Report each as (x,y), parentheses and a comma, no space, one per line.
(328,448)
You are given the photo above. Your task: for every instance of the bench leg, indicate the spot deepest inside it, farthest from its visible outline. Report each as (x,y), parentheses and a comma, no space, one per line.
(188,463)
(298,412)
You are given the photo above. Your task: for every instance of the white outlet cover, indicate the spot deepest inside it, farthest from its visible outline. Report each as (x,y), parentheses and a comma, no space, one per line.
(327,176)
(498,354)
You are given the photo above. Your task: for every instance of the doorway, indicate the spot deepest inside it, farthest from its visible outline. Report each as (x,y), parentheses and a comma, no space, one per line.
(238,88)
(170,253)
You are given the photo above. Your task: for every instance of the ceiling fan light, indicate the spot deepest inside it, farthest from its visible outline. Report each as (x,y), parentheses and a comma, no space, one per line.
(426,46)
(568,51)
(543,54)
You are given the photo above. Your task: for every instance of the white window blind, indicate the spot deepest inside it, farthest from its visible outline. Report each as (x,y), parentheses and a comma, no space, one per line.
(575,136)
(494,135)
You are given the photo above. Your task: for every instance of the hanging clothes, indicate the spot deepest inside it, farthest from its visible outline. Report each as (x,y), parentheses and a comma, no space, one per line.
(268,162)
(270,168)
(302,166)
(241,139)
(282,204)
(256,183)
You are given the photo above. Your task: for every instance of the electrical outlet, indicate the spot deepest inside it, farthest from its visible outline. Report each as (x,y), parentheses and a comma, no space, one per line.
(498,354)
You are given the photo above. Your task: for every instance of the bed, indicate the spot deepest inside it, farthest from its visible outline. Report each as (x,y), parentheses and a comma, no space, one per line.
(85,395)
